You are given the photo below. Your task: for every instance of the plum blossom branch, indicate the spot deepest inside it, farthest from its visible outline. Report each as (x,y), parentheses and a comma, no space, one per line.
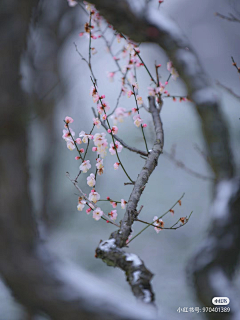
(152,224)
(209,265)
(83,159)
(145,24)
(137,108)
(91,204)
(184,221)
(131,213)
(72,139)
(110,251)
(111,133)
(143,153)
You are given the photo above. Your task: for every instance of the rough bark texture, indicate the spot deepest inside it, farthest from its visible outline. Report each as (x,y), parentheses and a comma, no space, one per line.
(114,255)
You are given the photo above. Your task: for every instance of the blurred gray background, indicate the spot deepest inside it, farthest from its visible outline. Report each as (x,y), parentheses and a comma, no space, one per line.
(58,79)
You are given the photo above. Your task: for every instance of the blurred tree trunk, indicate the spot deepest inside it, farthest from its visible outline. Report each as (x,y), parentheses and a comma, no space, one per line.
(39,281)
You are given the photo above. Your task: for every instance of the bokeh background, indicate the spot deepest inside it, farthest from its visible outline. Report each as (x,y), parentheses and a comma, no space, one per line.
(58,84)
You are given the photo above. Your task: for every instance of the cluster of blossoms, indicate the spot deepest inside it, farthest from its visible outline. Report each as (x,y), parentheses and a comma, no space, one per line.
(68,134)
(129,87)
(100,143)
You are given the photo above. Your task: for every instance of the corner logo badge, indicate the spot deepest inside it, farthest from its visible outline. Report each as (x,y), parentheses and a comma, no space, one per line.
(223,301)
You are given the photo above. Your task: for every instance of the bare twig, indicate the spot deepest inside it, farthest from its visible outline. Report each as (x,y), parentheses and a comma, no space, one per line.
(231,17)
(181,165)
(152,224)
(235,64)
(228,90)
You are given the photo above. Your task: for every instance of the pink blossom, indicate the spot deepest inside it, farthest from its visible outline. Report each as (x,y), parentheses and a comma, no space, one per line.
(78,141)
(85,136)
(134,110)
(97,213)
(104,117)
(123,203)
(113,214)
(93,91)
(116,165)
(114,204)
(95,98)
(88,210)
(77,158)
(97,122)
(144,125)
(99,163)
(70,145)
(111,76)
(117,147)
(72,3)
(139,100)
(94,196)
(94,149)
(68,120)
(91,180)
(103,107)
(137,120)
(81,150)
(85,166)
(67,134)
(124,90)
(81,204)
(151,91)
(129,93)
(114,130)
(158,223)
(135,85)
